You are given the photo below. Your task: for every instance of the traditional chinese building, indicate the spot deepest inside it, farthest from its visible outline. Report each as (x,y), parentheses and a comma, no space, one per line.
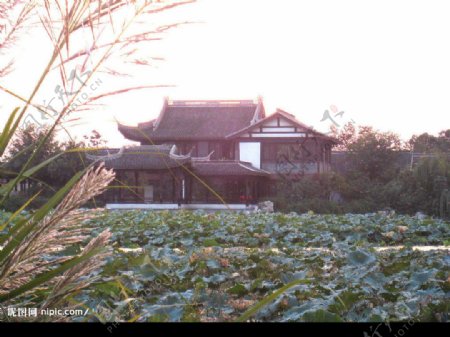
(214,152)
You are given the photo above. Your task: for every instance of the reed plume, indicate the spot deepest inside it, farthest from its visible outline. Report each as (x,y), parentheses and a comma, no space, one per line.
(41,250)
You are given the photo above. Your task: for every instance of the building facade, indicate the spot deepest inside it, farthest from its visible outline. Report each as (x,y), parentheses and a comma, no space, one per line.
(214,152)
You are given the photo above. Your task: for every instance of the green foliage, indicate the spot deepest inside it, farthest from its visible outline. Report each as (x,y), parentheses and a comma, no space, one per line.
(57,163)
(444,204)
(312,267)
(321,316)
(373,154)
(16,200)
(70,162)
(427,143)
(266,300)
(8,131)
(24,144)
(374,178)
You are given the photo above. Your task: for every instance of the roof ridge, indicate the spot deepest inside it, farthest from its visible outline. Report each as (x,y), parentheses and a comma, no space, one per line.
(294,118)
(215,102)
(258,112)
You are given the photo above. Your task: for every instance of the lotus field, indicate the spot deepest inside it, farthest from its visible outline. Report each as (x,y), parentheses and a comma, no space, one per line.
(197,266)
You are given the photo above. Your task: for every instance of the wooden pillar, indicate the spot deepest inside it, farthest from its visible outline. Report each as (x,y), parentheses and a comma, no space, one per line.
(119,184)
(136,191)
(116,191)
(178,187)
(318,156)
(189,190)
(173,189)
(247,187)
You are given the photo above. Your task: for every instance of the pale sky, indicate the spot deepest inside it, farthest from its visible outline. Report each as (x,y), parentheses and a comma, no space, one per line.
(385,63)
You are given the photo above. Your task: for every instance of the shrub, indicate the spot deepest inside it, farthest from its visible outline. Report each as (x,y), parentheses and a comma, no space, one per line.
(16,200)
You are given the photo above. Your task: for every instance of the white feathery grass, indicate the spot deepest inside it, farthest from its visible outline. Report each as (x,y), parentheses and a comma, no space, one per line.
(57,231)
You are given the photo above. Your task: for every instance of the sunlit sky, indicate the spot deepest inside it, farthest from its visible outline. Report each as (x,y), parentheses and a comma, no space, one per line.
(384,63)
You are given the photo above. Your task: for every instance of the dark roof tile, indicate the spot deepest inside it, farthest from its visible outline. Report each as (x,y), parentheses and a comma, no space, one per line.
(194,120)
(154,157)
(226,168)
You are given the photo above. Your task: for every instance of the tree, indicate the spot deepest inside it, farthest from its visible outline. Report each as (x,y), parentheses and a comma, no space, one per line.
(24,144)
(73,159)
(427,143)
(61,169)
(371,153)
(345,136)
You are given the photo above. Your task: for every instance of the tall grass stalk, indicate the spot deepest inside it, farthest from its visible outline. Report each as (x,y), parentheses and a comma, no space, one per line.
(34,268)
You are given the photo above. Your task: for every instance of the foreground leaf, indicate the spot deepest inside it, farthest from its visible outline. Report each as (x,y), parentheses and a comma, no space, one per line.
(265,301)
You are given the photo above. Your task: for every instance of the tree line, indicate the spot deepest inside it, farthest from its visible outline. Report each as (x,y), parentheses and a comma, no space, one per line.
(374,176)
(50,177)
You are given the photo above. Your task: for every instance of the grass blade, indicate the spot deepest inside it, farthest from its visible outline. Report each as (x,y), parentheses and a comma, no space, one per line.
(14,215)
(44,277)
(38,215)
(8,131)
(266,300)
(5,189)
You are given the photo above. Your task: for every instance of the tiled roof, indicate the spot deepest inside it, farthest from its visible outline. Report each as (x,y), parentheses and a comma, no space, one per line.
(226,168)
(156,157)
(193,120)
(142,157)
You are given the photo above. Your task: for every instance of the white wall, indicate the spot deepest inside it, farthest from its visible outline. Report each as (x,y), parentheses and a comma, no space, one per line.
(251,152)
